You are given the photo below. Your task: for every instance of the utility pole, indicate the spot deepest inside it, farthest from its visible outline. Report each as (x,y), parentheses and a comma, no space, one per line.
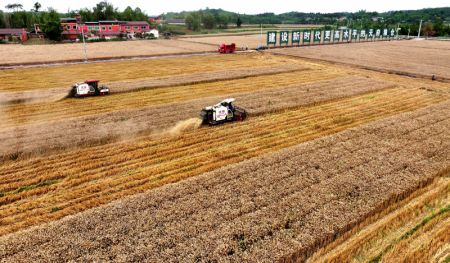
(420,28)
(398,28)
(409,30)
(84,40)
(260,38)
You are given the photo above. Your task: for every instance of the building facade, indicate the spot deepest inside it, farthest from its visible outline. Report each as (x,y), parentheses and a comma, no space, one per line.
(13,34)
(72,29)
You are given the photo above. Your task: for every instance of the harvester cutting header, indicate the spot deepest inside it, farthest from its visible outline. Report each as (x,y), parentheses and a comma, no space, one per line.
(224,111)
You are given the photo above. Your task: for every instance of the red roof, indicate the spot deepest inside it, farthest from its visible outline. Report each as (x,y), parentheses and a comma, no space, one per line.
(11,31)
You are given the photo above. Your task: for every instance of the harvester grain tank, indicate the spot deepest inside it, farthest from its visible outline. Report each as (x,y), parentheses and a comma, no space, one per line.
(88,88)
(224,48)
(224,111)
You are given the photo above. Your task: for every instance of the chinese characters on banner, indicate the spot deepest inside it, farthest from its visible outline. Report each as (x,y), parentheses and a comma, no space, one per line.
(354,34)
(317,35)
(345,35)
(284,37)
(296,37)
(271,38)
(362,34)
(337,35)
(327,36)
(307,37)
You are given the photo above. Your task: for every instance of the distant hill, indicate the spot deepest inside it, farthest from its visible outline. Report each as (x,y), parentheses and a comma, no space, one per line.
(392,17)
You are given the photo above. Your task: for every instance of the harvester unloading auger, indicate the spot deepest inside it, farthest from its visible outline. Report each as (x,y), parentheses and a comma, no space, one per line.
(224,111)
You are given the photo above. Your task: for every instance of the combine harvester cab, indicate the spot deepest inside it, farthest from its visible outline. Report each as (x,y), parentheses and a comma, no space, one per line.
(222,112)
(88,88)
(223,49)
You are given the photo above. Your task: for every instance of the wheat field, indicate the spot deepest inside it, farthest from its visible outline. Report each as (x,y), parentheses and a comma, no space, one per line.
(334,150)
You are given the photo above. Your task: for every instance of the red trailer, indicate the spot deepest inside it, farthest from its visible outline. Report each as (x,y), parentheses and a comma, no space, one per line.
(227,48)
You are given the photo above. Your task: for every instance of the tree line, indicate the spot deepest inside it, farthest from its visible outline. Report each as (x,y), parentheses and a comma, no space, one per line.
(17,17)
(436,20)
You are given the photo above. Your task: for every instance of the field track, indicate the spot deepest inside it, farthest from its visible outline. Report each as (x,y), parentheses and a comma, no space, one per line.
(305,196)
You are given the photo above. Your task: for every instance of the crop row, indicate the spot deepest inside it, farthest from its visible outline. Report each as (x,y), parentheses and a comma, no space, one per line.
(39,138)
(385,234)
(15,115)
(54,95)
(281,206)
(43,78)
(85,178)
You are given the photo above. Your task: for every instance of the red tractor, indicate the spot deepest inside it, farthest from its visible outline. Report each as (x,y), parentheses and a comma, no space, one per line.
(227,48)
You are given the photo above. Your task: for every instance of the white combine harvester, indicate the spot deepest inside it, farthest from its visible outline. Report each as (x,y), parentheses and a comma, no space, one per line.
(88,88)
(224,111)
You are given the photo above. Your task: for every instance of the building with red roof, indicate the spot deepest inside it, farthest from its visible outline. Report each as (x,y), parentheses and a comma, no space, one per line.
(72,28)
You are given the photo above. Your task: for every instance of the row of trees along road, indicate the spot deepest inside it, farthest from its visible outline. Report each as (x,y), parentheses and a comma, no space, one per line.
(17,17)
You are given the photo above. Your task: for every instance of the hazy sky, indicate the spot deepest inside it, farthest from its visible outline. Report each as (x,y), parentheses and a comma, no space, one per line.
(246,6)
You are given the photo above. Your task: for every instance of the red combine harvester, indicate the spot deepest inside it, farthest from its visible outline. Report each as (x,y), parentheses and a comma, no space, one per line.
(227,48)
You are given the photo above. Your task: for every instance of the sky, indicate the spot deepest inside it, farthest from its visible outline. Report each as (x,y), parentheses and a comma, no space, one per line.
(156,7)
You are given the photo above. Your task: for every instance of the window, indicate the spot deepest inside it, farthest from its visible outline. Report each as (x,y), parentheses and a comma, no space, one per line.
(110,28)
(128,27)
(74,27)
(68,27)
(103,28)
(144,27)
(136,27)
(97,27)
(89,27)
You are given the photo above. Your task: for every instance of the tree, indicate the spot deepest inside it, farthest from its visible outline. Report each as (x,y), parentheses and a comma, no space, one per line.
(238,21)
(37,6)
(128,14)
(208,21)
(193,21)
(104,11)
(14,7)
(50,25)
(428,29)
(222,20)
(86,15)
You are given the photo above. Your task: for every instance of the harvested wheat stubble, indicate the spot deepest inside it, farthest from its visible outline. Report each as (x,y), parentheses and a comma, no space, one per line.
(424,58)
(45,188)
(281,206)
(20,114)
(384,233)
(17,54)
(128,123)
(52,95)
(65,76)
